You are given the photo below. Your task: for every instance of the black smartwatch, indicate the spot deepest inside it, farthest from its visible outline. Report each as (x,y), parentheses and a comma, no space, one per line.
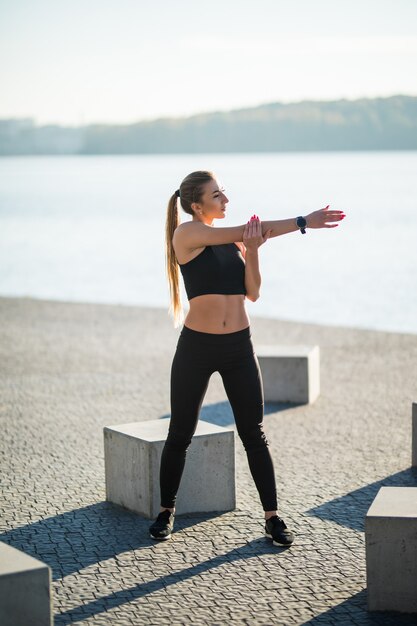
(301,224)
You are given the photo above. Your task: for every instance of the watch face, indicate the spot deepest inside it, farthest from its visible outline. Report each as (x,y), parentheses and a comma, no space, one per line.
(301,222)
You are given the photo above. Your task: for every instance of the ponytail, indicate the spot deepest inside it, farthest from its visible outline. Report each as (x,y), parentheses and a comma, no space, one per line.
(191,190)
(172,268)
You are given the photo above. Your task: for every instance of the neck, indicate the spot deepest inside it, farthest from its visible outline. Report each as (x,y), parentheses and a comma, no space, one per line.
(204,220)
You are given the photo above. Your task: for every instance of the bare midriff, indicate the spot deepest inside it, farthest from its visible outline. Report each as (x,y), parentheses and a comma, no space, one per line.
(217,313)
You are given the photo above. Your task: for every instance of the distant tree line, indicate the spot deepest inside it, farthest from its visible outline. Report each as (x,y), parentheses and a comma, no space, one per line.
(365,124)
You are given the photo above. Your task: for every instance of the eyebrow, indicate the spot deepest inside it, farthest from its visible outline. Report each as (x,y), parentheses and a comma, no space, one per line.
(217,190)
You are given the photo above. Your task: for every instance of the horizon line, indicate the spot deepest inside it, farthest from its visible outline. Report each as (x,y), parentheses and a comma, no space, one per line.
(32,120)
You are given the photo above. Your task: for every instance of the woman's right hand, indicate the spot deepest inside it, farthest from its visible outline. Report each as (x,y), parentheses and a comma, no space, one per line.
(319,219)
(252,234)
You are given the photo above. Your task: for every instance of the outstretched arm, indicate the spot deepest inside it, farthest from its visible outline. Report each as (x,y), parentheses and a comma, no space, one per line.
(192,235)
(316,219)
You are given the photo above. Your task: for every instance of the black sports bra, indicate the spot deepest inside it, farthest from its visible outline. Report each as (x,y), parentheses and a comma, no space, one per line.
(218,269)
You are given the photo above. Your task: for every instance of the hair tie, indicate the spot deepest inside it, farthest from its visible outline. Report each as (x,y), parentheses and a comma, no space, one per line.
(177,193)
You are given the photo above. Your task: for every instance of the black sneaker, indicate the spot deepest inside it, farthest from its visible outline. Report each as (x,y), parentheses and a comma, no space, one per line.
(162,526)
(276,529)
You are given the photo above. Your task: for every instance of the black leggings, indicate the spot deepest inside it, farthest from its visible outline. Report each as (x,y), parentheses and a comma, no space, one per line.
(198,355)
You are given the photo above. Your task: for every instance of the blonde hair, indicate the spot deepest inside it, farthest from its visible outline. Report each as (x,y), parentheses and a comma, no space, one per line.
(190,190)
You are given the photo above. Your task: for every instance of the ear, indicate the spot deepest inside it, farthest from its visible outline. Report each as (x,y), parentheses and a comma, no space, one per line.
(196,208)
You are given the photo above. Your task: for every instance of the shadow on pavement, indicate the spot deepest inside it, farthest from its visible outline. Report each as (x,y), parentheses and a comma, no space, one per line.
(77,539)
(354,611)
(256,547)
(350,510)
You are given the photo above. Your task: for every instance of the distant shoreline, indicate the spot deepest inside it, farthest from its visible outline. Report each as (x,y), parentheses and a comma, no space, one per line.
(309,126)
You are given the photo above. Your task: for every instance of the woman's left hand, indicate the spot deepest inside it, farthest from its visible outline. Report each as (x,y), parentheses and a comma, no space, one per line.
(252,234)
(320,218)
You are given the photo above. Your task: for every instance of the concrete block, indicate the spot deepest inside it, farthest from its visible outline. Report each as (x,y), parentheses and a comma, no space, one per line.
(25,589)
(132,454)
(414,435)
(391,550)
(290,373)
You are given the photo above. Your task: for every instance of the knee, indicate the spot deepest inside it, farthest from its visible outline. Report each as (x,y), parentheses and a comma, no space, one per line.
(254,438)
(178,440)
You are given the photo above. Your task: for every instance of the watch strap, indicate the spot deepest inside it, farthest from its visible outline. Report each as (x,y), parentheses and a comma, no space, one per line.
(301,223)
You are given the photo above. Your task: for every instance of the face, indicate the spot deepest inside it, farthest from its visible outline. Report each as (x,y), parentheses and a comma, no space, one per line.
(212,203)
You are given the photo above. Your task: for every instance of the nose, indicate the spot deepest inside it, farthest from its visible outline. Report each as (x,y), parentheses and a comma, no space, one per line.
(225,198)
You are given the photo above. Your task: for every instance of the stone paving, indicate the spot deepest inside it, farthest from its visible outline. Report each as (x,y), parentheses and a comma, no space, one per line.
(68,370)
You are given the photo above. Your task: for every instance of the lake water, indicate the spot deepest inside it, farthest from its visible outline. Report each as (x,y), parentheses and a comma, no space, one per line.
(92,229)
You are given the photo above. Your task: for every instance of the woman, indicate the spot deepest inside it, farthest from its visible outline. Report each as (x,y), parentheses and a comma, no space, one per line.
(220,268)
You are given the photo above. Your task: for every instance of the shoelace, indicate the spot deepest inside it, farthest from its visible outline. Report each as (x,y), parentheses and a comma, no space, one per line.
(164,514)
(278,520)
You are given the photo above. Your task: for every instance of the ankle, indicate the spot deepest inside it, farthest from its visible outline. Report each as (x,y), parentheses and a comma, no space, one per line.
(269,514)
(165,508)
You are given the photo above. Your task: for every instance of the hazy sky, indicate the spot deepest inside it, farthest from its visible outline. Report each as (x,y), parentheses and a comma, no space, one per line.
(82,61)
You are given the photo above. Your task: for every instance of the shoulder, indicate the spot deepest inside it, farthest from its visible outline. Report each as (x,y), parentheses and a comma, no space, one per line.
(186,230)
(183,227)
(182,241)
(187,226)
